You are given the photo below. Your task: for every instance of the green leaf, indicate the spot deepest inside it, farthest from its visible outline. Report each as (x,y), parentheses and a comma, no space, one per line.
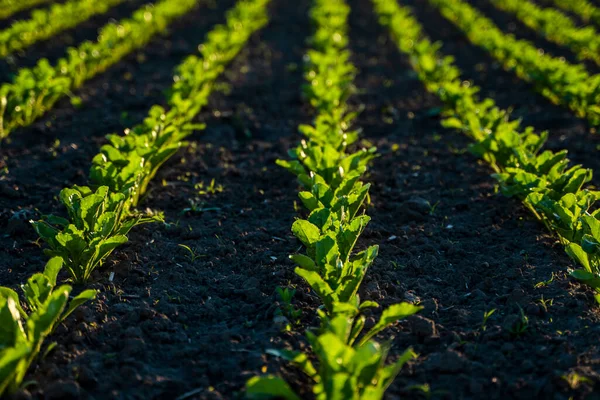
(37,290)
(298,358)
(306,232)
(341,386)
(390,315)
(359,324)
(294,167)
(452,123)
(11,330)
(42,322)
(579,255)
(389,373)
(368,304)
(347,237)
(309,201)
(326,252)
(321,288)
(6,293)
(105,247)
(72,240)
(321,218)
(10,359)
(332,351)
(46,232)
(304,262)
(52,269)
(366,362)
(83,297)
(269,387)
(587,277)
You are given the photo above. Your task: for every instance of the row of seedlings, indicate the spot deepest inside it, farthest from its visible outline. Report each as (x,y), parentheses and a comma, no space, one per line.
(99,217)
(545,181)
(35,90)
(350,363)
(562,83)
(585,9)
(556,27)
(46,23)
(11,7)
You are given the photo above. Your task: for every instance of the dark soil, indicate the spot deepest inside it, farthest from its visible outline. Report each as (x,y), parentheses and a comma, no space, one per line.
(168,325)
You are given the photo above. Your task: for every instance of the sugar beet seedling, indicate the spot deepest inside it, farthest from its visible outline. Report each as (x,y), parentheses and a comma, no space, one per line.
(22,333)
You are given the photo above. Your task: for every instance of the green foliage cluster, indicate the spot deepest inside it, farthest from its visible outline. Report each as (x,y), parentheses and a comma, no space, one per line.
(10,7)
(351,365)
(100,217)
(35,90)
(24,327)
(556,27)
(562,83)
(546,182)
(45,23)
(583,8)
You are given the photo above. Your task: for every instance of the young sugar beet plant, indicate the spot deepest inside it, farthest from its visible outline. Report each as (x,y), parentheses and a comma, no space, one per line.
(99,218)
(351,365)
(10,7)
(24,328)
(562,83)
(45,23)
(35,90)
(556,27)
(544,180)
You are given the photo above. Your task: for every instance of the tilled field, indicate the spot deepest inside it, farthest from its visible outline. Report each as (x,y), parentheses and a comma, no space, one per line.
(171,322)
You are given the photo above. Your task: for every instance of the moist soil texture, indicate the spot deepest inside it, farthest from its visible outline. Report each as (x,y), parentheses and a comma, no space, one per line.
(194,323)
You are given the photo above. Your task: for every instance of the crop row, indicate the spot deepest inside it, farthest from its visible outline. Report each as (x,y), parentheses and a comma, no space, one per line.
(544,181)
(583,8)
(45,23)
(351,364)
(563,83)
(10,7)
(556,27)
(35,90)
(100,216)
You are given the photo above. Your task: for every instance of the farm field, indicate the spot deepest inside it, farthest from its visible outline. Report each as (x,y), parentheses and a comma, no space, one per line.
(246,131)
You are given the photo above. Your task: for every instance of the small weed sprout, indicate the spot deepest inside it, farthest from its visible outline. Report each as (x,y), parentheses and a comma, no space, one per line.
(545,283)
(191,255)
(573,379)
(287,309)
(486,317)
(522,325)
(433,207)
(211,189)
(545,303)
